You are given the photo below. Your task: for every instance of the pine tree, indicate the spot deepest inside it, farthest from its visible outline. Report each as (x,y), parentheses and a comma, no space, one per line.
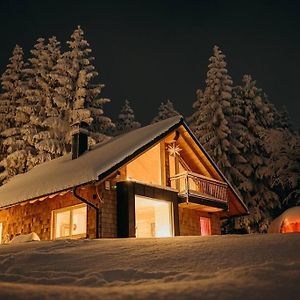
(76,92)
(283,119)
(216,122)
(230,123)
(71,97)
(33,105)
(49,140)
(5,122)
(212,127)
(12,82)
(257,192)
(165,111)
(76,96)
(193,119)
(126,120)
(283,147)
(42,99)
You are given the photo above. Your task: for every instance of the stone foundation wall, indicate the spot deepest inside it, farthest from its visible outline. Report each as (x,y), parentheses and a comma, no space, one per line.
(189,221)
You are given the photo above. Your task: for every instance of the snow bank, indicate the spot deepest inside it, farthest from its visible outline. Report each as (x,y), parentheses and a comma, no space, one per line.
(291,215)
(25,238)
(217,267)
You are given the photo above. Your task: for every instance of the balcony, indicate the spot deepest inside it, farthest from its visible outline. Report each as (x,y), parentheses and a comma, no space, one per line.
(198,189)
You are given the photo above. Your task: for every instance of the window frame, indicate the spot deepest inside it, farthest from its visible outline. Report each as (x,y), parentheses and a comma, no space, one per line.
(70,209)
(170,211)
(126,191)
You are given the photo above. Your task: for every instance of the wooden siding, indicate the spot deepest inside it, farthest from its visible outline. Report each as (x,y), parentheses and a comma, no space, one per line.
(23,219)
(189,221)
(37,216)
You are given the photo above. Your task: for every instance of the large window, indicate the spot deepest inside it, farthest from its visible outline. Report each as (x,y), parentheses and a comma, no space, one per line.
(147,167)
(153,218)
(70,222)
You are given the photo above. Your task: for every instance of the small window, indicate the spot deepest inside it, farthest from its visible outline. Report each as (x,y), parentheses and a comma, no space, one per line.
(1,233)
(70,222)
(205,226)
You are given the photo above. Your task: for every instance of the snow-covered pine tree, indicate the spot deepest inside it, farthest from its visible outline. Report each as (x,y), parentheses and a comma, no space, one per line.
(193,119)
(166,110)
(126,120)
(217,123)
(12,82)
(211,126)
(4,124)
(283,147)
(76,96)
(31,109)
(285,120)
(257,192)
(49,140)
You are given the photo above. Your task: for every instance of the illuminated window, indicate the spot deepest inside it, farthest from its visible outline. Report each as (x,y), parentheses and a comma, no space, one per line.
(1,233)
(287,226)
(147,167)
(153,218)
(70,222)
(205,226)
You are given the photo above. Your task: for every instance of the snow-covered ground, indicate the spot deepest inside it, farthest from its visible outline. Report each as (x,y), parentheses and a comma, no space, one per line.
(217,267)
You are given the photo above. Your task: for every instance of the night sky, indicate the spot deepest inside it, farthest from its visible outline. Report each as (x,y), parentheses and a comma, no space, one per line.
(149,51)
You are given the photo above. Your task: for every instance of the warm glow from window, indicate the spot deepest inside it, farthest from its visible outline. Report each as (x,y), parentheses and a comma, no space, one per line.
(290,227)
(205,226)
(153,218)
(62,224)
(147,167)
(70,222)
(1,226)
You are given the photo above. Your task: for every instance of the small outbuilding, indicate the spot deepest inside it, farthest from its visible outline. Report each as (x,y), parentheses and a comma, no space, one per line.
(288,221)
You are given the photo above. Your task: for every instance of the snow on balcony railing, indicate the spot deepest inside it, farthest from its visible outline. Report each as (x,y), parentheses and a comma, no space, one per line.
(190,183)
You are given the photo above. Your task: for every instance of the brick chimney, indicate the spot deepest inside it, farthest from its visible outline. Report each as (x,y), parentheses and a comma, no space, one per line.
(80,135)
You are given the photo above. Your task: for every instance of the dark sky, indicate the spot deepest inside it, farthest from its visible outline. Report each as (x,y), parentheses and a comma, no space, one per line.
(149,51)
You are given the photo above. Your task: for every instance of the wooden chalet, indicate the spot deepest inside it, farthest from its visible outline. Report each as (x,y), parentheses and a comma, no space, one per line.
(155,181)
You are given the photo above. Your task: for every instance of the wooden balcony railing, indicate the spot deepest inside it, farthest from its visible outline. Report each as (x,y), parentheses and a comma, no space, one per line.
(189,183)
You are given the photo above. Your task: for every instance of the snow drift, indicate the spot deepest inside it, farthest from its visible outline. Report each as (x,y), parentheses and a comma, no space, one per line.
(25,238)
(216,267)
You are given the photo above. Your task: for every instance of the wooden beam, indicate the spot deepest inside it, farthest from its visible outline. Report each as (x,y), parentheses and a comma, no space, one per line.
(195,152)
(167,166)
(163,163)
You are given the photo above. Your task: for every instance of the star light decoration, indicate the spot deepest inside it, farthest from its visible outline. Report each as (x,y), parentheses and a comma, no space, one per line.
(174,149)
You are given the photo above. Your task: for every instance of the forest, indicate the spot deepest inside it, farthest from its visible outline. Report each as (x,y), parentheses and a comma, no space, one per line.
(252,141)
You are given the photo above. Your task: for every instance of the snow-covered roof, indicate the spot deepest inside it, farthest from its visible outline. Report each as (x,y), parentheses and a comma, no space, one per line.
(64,173)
